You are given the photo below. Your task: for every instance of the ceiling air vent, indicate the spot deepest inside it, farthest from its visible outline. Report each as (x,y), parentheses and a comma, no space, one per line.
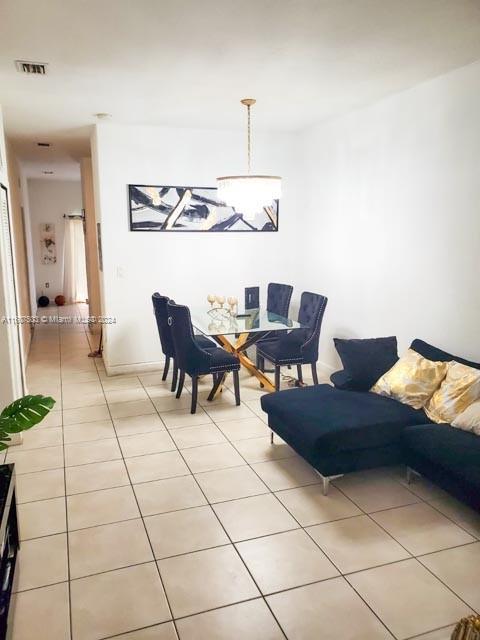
(35,68)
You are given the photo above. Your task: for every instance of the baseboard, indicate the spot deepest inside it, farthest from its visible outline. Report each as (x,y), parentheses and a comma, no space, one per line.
(135,367)
(150,367)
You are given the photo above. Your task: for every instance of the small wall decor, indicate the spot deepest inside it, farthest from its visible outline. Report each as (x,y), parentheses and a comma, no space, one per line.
(47,243)
(168,208)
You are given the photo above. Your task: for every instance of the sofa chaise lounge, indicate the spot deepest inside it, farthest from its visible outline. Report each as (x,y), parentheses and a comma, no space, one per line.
(339,431)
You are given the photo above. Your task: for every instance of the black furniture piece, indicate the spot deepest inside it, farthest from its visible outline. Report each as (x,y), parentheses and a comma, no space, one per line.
(363,361)
(339,431)
(9,542)
(448,456)
(278,298)
(196,361)
(300,346)
(278,302)
(164,332)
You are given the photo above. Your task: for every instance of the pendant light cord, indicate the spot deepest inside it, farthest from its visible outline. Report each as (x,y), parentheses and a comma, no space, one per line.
(249,102)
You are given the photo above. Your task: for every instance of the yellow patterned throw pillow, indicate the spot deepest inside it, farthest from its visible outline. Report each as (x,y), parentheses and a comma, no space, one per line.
(460,388)
(412,380)
(469,420)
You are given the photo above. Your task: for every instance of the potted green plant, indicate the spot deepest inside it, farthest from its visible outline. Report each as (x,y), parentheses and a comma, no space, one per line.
(21,415)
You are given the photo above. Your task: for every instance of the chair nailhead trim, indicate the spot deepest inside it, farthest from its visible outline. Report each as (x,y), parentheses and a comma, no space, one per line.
(228,367)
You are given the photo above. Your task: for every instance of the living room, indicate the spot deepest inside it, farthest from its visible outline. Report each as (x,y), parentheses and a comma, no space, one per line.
(156,500)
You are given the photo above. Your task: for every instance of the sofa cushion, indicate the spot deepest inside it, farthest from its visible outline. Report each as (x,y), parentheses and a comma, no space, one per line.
(458,390)
(340,380)
(364,361)
(433,353)
(334,420)
(412,380)
(469,420)
(456,451)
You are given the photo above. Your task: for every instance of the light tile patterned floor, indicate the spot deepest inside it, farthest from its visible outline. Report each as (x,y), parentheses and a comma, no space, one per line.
(142,522)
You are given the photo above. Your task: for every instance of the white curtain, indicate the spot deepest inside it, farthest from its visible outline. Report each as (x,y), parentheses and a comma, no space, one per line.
(75,270)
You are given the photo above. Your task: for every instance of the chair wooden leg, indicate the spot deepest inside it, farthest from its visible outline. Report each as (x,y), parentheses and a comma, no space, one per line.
(260,362)
(261,366)
(165,368)
(174,377)
(180,384)
(299,373)
(194,394)
(314,373)
(277,377)
(236,385)
(217,381)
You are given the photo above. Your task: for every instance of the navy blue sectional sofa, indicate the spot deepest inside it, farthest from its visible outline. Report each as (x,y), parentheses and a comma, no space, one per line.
(339,431)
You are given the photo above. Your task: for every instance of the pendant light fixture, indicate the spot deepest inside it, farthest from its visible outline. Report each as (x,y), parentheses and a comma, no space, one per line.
(249,194)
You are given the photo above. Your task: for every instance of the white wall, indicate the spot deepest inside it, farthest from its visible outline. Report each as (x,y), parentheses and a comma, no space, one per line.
(184,266)
(11,378)
(394,214)
(49,200)
(380,213)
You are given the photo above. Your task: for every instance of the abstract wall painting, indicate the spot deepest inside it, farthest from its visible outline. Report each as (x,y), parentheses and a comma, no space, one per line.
(167,208)
(48,246)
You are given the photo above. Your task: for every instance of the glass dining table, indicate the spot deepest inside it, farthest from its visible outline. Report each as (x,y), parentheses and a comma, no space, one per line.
(236,333)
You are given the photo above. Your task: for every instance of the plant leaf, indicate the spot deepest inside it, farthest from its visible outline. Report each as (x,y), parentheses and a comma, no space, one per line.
(24,413)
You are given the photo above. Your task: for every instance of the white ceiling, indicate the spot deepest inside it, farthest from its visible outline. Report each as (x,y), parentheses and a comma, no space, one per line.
(188,62)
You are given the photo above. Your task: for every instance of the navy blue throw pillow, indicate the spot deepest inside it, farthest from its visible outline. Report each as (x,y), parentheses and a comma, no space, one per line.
(365,361)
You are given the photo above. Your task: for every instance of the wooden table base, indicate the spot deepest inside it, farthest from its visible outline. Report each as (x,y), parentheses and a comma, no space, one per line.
(238,350)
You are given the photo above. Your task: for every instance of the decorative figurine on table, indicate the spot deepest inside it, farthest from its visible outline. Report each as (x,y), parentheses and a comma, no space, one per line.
(218,310)
(233,302)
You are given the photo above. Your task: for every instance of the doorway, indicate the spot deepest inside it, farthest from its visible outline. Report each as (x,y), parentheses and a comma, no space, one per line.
(75,286)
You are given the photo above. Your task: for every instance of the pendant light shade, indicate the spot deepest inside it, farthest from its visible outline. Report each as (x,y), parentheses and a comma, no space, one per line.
(250,193)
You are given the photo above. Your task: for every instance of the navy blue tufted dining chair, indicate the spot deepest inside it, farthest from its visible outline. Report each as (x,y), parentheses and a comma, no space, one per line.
(278,302)
(196,361)
(278,298)
(299,346)
(166,340)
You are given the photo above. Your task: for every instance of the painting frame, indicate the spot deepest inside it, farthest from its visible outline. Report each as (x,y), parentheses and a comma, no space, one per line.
(48,243)
(134,228)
